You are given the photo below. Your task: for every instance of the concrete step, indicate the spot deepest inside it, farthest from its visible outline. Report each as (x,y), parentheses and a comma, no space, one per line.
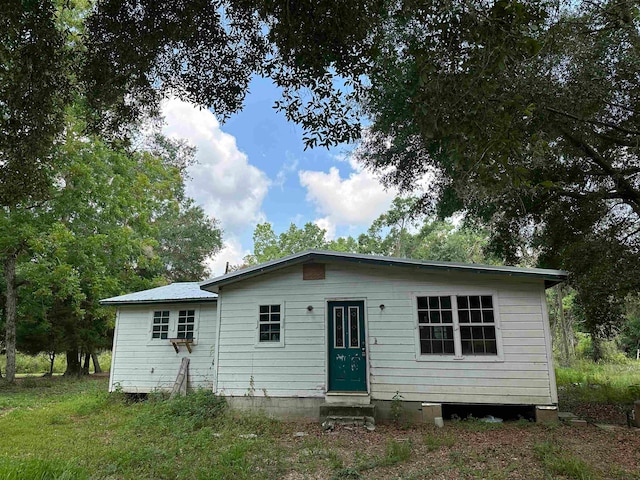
(348,413)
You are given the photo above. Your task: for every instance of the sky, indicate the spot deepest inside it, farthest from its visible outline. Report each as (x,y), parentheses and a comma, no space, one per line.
(254,169)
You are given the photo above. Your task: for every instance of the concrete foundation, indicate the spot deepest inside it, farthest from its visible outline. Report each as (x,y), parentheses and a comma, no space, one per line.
(546,414)
(431,411)
(410,412)
(285,408)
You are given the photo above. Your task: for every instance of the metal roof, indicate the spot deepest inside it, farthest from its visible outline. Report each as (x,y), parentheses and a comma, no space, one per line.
(551,277)
(179,292)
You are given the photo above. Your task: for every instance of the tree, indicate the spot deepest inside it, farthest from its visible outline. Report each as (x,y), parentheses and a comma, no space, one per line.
(205,51)
(35,68)
(401,231)
(529,122)
(111,224)
(269,246)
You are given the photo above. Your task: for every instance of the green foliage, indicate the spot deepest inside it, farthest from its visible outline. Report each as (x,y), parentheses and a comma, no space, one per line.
(391,234)
(30,469)
(35,86)
(559,462)
(613,383)
(116,221)
(397,408)
(526,133)
(199,408)
(630,334)
(269,246)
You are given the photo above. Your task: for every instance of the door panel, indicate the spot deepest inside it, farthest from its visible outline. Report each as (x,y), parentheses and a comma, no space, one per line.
(347,347)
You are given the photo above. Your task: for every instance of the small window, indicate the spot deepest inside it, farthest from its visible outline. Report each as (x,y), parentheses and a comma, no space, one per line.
(186,323)
(270,323)
(160,324)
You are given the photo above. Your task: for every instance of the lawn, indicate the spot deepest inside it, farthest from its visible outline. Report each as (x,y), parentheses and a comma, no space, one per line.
(56,428)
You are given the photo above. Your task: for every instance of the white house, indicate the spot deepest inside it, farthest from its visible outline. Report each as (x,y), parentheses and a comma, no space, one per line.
(320,327)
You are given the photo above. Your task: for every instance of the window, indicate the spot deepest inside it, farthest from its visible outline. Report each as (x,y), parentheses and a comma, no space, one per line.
(440,318)
(270,323)
(186,323)
(160,324)
(170,324)
(477,325)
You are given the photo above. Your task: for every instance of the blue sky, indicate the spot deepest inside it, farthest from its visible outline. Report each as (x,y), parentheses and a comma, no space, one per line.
(254,168)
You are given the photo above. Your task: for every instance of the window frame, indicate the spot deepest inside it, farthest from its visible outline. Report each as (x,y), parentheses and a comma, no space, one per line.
(270,344)
(457,340)
(174,312)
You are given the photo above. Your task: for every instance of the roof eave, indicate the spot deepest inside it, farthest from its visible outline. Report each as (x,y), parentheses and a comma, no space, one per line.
(118,303)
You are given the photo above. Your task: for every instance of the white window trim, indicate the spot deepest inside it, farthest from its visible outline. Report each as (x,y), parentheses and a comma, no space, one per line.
(280,344)
(457,342)
(174,311)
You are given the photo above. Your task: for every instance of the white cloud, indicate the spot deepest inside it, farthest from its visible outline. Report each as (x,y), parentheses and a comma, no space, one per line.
(328,226)
(353,201)
(222,181)
(232,252)
(285,169)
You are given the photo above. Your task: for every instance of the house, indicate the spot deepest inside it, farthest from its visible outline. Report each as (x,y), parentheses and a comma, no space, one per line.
(318,327)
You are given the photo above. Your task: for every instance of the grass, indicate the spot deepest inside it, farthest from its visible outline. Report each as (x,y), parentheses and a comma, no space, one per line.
(587,381)
(29,365)
(558,462)
(59,428)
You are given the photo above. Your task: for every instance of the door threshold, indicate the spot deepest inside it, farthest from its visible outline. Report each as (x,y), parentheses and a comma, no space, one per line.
(353,398)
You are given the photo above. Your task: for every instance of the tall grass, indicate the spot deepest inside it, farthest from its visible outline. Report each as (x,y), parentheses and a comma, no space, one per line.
(601,382)
(40,364)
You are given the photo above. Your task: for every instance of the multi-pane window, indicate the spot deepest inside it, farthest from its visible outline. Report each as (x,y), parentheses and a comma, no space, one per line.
(473,315)
(270,323)
(160,324)
(435,321)
(186,323)
(477,325)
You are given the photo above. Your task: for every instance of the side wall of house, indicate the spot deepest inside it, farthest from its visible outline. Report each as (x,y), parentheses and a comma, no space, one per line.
(522,374)
(141,365)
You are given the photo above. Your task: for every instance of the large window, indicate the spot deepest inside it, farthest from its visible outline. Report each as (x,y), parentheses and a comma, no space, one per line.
(270,324)
(458,325)
(168,324)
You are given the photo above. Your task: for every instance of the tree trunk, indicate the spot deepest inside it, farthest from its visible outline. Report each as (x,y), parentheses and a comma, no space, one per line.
(566,352)
(596,346)
(73,364)
(87,362)
(52,358)
(10,314)
(96,363)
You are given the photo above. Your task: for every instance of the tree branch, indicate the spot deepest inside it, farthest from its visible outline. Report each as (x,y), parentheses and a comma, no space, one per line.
(627,191)
(593,122)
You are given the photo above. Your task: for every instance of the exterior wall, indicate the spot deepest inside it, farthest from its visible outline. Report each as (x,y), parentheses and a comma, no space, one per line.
(141,365)
(522,374)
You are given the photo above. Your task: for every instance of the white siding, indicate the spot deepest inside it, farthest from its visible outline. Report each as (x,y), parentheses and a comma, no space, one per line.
(299,368)
(142,365)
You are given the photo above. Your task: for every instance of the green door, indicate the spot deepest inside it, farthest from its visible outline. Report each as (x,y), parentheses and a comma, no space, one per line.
(347,347)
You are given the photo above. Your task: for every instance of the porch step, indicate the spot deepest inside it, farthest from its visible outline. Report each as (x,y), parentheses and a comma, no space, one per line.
(347,414)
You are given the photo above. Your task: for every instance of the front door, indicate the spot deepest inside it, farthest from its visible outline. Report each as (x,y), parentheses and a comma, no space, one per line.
(347,347)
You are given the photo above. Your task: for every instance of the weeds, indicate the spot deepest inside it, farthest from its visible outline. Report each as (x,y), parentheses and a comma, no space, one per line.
(558,462)
(435,442)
